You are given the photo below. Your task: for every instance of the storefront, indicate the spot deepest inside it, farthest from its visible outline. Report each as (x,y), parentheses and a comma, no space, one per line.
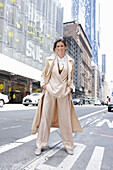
(17,79)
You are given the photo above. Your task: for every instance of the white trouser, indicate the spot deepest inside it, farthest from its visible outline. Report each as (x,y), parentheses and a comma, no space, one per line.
(64,118)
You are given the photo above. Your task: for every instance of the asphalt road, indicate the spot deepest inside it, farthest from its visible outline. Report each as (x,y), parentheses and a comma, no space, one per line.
(93,147)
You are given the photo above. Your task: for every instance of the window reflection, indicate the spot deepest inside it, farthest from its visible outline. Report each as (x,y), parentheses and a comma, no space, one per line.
(20,22)
(1,28)
(2,8)
(9,35)
(11,13)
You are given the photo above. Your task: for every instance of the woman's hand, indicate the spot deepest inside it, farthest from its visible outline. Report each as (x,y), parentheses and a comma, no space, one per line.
(44,87)
(71,90)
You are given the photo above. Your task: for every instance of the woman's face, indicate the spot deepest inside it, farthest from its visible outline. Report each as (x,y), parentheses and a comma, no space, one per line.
(60,47)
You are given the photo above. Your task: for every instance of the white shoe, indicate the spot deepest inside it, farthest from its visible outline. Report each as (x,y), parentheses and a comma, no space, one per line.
(38,151)
(69,151)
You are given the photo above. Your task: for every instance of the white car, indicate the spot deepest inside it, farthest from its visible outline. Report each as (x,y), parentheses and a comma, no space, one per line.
(3,99)
(32,99)
(97,102)
(110,102)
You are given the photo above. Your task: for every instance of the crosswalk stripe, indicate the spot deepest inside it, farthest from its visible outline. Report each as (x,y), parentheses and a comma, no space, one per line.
(47,167)
(19,142)
(66,164)
(7,147)
(71,159)
(96,159)
(43,158)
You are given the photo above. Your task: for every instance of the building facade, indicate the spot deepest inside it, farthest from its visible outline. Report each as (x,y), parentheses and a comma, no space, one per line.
(103,64)
(105,89)
(80,50)
(87,13)
(28,29)
(95,82)
(104,84)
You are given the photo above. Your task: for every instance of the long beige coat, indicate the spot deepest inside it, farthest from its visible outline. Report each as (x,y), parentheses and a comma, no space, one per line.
(44,80)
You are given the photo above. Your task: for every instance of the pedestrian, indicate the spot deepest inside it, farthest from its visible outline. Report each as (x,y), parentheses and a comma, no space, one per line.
(56,108)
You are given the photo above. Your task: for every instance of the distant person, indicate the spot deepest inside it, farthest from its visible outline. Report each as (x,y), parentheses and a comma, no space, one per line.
(56,108)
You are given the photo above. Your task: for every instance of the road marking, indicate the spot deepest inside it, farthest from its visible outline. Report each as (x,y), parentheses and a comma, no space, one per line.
(27,139)
(110,124)
(70,159)
(83,117)
(38,162)
(19,142)
(4,118)
(18,120)
(47,167)
(11,127)
(97,120)
(96,159)
(109,136)
(66,164)
(7,147)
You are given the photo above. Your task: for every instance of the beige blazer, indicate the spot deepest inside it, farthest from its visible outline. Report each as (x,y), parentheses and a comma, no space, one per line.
(44,80)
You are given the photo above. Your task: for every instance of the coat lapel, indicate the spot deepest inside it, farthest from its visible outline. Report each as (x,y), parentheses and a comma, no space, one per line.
(51,63)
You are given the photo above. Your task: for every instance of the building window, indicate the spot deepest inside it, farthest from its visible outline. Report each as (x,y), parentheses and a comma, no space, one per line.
(11,13)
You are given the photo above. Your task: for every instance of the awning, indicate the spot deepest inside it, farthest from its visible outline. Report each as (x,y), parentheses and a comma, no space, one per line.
(15,67)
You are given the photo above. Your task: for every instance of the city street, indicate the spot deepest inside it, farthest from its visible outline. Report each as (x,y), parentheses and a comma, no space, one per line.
(93,147)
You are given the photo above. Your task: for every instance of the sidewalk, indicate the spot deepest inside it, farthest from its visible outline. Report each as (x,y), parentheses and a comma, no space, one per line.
(9,107)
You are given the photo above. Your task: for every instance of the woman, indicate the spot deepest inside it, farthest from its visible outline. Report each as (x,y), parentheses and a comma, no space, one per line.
(55,108)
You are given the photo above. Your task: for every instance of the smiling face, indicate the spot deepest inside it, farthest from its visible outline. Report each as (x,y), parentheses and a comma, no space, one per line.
(60,47)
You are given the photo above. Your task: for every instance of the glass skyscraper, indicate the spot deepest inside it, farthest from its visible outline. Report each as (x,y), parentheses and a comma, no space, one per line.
(86,12)
(103,64)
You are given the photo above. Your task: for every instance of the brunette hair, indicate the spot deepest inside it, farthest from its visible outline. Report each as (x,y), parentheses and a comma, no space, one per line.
(59,40)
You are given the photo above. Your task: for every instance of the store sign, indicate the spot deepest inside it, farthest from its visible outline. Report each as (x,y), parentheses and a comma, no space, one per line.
(30,51)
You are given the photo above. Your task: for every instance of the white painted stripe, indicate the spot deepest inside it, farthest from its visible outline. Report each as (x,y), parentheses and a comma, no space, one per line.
(109,123)
(97,120)
(96,159)
(71,159)
(19,142)
(7,147)
(27,139)
(11,127)
(102,122)
(32,137)
(47,167)
(83,117)
(39,162)
(66,164)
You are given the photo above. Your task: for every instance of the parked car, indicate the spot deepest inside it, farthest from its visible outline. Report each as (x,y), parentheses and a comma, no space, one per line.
(77,101)
(32,99)
(3,99)
(89,101)
(106,102)
(110,102)
(97,102)
(102,102)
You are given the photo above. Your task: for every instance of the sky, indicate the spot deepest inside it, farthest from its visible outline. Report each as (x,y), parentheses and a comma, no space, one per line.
(106,32)
(106,23)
